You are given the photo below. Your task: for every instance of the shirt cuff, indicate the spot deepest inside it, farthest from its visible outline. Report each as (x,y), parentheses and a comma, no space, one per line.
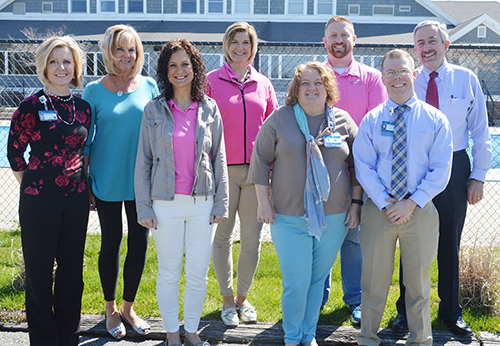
(421,198)
(478,174)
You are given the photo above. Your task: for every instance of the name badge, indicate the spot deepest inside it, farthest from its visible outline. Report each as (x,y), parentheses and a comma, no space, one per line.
(387,128)
(47,115)
(332,141)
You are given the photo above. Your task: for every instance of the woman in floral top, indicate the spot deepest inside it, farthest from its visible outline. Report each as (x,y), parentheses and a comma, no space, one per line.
(53,209)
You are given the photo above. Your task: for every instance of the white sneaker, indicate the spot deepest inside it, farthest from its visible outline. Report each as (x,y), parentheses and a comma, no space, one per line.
(246,312)
(230,316)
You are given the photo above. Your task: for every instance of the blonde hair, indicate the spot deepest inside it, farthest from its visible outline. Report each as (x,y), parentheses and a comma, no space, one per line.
(231,32)
(327,76)
(115,35)
(43,52)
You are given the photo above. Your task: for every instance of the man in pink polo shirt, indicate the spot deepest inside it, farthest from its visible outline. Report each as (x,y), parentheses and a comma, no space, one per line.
(361,90)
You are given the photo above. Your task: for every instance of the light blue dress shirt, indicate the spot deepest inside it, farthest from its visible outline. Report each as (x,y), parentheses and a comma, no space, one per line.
(461,99)
(428,146)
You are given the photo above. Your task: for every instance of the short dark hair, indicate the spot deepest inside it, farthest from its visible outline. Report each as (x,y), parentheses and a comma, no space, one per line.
(198,84)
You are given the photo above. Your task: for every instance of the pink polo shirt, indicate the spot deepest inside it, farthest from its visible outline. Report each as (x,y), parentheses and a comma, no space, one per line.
(184,144)
(361,89)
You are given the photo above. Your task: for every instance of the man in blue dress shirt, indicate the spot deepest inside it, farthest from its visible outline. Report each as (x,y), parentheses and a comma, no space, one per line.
(456,91)
(402,155)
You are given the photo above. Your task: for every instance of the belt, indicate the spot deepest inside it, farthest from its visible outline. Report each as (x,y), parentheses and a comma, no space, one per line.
(459,152)
(408,195)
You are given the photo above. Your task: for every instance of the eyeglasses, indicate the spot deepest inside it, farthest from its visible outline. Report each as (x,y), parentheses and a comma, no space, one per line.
(401,72)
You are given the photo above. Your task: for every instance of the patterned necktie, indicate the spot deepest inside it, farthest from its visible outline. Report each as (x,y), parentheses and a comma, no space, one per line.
(398,177)
(432,96)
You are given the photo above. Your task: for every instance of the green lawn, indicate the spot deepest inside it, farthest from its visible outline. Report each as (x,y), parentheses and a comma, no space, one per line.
(265,296)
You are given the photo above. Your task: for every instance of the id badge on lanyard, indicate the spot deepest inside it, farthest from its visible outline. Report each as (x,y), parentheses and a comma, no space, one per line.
(46,115)
(331,141)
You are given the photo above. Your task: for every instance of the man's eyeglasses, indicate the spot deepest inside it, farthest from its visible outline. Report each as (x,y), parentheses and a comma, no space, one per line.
(401,72)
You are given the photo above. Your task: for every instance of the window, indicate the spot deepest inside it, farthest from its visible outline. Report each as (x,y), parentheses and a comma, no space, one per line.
(216,6)
(21,63)
(108,6)
(2,62)
(145,67)
(353,10)
(242,6)
(373,61)
(325,7)
(19,8)
(188,6)
(383,10)
(135,6)
(404,8)
(295,6)
(47,7)
(481,31)
(95,65)
(277,66)
(213,61)
(78,6)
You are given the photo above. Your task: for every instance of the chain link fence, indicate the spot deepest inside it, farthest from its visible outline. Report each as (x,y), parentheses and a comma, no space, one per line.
(18,80)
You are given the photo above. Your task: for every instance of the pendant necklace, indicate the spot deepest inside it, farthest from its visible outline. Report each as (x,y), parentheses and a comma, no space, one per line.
(70,98)
(119,93)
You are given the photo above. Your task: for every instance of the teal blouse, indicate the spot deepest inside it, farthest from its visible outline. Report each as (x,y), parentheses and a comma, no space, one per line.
(113,138)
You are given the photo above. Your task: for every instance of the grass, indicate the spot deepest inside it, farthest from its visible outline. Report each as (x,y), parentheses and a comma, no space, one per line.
(265,295)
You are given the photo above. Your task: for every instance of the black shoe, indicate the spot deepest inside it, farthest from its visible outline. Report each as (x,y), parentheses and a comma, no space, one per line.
(400,324)
(459,327)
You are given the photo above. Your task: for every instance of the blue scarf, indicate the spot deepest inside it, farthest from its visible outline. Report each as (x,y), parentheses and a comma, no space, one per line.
(317,187)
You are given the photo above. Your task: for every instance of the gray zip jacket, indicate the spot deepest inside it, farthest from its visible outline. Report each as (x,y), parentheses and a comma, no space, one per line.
(155,166)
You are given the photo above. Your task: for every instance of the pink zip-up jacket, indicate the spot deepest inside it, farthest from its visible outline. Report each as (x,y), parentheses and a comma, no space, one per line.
(243,106)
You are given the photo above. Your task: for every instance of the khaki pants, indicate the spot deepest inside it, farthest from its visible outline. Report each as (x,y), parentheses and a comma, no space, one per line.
(243,199)
(418,239)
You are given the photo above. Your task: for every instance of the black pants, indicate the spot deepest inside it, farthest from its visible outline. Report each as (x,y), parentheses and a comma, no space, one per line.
(110,218)
(53,227)
(452,208)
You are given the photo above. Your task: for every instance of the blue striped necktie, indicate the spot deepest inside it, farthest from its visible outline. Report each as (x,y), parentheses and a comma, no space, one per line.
(398,177)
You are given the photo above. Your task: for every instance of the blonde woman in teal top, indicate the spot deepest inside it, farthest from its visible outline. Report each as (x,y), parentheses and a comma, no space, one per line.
(117,101)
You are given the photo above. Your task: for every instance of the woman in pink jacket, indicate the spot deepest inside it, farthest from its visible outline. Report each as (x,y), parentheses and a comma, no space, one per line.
(245,99)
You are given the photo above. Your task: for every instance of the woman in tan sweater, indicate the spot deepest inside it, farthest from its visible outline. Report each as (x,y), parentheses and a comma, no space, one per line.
(308,144)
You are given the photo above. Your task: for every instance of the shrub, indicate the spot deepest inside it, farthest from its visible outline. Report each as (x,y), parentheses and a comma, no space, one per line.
(480,277)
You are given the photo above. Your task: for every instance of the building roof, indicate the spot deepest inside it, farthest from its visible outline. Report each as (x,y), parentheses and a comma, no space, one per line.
(465,14)
(470,14)
(204,31)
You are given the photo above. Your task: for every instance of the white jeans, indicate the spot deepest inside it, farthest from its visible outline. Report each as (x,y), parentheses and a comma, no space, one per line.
(183,225)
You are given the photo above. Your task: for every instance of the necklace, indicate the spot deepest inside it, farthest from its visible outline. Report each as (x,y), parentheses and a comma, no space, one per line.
(54,108)
(50,93)
(119,93)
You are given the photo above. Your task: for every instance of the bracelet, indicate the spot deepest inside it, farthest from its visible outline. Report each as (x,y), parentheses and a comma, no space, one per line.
(479,181)
(357,201)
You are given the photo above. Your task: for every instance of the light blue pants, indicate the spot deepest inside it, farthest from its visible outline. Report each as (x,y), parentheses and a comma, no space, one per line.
(305,263)
(350,270)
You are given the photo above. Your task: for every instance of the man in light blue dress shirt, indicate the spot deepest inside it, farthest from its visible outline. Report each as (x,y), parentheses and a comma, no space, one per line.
(461,99)
(410,218)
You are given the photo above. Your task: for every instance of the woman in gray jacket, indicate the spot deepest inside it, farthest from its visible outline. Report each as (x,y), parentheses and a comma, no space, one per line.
(181,184)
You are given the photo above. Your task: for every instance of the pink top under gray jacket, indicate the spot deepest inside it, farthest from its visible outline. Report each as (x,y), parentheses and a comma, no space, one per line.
(243,106)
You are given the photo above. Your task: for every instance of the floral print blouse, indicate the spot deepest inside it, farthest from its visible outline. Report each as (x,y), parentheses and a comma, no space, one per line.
(56,158)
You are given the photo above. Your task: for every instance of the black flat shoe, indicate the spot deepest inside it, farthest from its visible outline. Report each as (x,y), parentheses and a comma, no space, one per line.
(459,327)
(400,324)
